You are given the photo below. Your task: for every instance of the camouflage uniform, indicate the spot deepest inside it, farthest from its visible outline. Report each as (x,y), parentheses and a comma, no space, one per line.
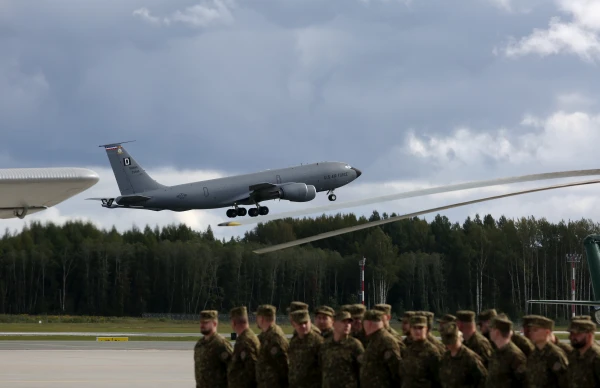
(487,315)
(211,356)
(584,369)
(508,365)
(387,310)
(546,366)
(406,320)
(357,311)
(241,372)
(477,342)
(465,368)
(339,359)
(297,306)
(303,355)
(523,343)
(420,367)
(272,362)
(380,361)
(326,310)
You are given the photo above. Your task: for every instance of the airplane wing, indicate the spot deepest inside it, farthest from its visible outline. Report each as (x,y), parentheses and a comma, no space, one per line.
(567,302)
(30,190)
(415,193)
(405,216)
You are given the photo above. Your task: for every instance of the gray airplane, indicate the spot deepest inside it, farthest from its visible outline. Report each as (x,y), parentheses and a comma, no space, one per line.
(295,184)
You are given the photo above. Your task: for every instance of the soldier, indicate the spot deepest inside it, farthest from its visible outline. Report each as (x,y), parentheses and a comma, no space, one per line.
(584,360)
(303,354)
(508,365)
(380,361)
(547,364)
(444,320)
(324,320)
(242,368)
(340,355)
(211,353)
(460,366)
(465,320)
(527,334)
(523,342)
(357,311)
(421,366)
(430,336)
(483,322)
(297,306)
(386,309)
(272,362)
(406,326)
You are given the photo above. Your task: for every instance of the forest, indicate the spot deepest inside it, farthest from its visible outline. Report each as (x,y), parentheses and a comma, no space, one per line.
(439,266)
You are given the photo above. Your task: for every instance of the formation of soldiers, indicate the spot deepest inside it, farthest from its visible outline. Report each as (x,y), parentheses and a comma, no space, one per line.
(352,347)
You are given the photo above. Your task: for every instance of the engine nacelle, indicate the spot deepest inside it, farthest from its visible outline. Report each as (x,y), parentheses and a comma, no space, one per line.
(297,192)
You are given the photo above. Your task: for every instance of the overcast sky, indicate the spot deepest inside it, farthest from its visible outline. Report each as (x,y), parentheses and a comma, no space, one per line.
(415,93)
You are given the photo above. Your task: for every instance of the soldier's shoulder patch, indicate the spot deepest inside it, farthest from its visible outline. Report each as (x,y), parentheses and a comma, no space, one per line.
(387,354)
(557,366)
(224,356)
(274,350)
(243,355)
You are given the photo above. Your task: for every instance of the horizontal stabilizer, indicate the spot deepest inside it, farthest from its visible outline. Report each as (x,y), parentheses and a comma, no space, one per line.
(567,302)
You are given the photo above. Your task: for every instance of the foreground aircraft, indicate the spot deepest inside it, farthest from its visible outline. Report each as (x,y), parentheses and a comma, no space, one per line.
(25,191)
(295,184)
(592,250)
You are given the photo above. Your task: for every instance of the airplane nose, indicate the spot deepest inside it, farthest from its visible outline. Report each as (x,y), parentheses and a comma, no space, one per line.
(358,172)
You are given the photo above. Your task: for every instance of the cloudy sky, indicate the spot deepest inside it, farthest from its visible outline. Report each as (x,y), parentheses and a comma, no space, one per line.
(415,93)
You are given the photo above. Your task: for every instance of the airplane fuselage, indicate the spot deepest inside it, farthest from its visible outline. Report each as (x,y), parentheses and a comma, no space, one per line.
(223,192)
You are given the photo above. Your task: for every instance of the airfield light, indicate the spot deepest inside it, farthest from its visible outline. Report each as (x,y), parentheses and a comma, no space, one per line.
(573,258)
(362,279)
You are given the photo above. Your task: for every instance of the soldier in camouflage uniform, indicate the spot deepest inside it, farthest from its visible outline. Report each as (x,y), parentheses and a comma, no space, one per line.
(241,372)
(357,311)
(474,340)
(303,353)
(527,334)
(420,367)
(547,364)
(460,366)
(297,306)
(584,360)
(272,362)
(444,320)
(508,365)
(483,321)
(386,309)
(406,326)
(430,336)
(340,354)
(211,353)
(324,320)
(380,361)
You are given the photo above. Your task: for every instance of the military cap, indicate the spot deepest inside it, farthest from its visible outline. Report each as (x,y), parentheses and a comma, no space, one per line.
(342,315)
(300,316)
(406,316)
(539,321)
(266,310)
(447,318)
(209,315)
(501,322)
(450,334)
(238,312)
(465,316)
(295,306)
(528,318)
(358,310)
(385,308)
(373,315)
(325,310)
(487,315)
(418,320)
(582,326)
(429,316)
(346,307)
(581,318)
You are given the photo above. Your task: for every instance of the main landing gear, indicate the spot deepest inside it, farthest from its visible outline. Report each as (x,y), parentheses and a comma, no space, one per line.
(331,196)
(240,211)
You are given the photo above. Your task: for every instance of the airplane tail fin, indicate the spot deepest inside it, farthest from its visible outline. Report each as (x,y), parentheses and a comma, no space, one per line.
(130,175)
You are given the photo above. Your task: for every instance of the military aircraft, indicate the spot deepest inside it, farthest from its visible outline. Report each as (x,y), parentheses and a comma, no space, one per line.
(25,191)
(295,184)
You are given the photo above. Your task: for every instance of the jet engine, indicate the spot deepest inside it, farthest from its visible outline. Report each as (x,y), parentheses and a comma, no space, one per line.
(297,192)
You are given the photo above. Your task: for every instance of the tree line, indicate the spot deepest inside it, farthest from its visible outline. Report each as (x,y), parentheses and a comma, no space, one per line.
(411,264)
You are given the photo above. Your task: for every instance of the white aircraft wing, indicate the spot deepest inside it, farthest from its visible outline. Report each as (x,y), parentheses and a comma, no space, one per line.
(415,193)
(411,215)
(26,191)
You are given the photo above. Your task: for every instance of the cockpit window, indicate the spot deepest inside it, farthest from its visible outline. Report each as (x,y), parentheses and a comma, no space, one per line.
(347,166)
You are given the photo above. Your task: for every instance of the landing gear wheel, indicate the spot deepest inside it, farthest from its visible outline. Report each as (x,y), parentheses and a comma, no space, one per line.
(263,210)
(332,197)
(253,212)
(241,211)
(231,213)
